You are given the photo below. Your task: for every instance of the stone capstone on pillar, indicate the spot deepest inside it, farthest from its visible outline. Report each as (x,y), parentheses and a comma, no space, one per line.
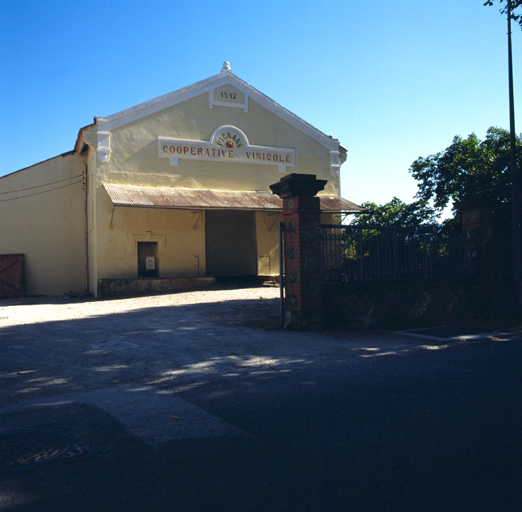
(302,185)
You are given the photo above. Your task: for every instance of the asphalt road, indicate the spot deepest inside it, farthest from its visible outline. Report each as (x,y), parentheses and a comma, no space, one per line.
(208,411)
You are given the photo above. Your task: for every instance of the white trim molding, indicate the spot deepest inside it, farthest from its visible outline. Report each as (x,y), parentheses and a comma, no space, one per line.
(104,146)
(335,163)
(224,78)
(227,143)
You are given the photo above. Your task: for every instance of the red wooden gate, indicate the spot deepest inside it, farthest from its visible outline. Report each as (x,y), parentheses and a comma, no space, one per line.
(11,275)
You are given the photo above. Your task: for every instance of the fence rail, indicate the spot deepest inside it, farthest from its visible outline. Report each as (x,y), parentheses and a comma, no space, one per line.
(355,253)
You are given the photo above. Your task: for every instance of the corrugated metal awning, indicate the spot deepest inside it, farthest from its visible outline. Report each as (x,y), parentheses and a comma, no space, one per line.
(196,199)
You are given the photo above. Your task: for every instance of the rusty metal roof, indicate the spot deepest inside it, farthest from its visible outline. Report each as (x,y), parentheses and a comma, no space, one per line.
(188,198)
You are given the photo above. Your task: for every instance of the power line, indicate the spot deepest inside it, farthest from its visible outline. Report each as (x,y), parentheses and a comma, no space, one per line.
(38,193)
(39,186)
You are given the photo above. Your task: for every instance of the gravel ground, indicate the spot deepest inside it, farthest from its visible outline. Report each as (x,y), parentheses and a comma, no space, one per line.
(46,309)
(122,355)
(98,351)
(198,401)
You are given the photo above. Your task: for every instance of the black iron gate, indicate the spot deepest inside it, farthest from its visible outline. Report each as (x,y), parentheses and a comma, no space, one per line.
(355,253)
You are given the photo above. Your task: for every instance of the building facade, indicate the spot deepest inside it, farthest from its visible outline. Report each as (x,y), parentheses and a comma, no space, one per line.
(176,187)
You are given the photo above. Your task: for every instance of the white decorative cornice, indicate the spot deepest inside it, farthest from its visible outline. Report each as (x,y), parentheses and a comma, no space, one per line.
(226,68)
(212,103)
(104,146)
(335,163)
(225,77)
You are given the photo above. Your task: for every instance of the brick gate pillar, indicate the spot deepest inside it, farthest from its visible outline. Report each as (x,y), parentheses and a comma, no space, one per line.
(302,243)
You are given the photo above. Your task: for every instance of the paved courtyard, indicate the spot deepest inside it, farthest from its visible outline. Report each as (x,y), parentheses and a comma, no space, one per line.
(197,401)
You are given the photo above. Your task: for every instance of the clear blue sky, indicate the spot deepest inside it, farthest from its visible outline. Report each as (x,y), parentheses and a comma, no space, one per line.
(392,80)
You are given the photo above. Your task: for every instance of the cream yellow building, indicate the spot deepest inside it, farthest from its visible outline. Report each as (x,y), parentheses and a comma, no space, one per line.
(176,187)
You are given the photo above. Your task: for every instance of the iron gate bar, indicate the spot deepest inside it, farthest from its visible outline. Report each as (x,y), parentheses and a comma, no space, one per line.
(282,272)
(354,253)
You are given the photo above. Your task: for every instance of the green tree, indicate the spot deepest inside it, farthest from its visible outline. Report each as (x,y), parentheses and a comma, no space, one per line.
(397,214)
(512,14)
(469,168)
(516,13)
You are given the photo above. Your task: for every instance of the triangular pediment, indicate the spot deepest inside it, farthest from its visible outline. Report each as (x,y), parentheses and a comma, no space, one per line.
(224,90)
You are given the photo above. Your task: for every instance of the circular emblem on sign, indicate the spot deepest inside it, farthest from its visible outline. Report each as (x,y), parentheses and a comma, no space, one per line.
(230,139)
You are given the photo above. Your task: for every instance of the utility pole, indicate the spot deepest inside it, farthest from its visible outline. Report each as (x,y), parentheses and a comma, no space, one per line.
(515,181)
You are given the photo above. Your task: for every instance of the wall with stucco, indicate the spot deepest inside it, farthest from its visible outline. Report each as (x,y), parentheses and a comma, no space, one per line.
(92,241)
(48,225)
(180,235)
(331,218)
(72,236)
(267,230)
(134,149)
(134,160)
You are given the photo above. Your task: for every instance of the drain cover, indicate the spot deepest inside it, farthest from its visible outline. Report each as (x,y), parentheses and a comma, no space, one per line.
(22,451)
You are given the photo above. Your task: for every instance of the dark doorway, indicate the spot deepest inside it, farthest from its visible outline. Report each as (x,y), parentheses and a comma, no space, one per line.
(11,275)
(230,240)
(148,259)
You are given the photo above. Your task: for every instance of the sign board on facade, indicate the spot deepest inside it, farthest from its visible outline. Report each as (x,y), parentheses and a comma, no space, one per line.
(228,144)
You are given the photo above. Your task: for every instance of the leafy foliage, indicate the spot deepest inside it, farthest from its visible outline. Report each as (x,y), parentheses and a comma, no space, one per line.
(515,4)
(469,168)
(397,214)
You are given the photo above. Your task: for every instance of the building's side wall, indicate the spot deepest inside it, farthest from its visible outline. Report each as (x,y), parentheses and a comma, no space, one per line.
(331,218)
(267,229)
(47,224)
(92,244)
(180,235)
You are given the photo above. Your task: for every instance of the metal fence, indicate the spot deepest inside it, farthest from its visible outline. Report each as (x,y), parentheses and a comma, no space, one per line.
(355,253)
